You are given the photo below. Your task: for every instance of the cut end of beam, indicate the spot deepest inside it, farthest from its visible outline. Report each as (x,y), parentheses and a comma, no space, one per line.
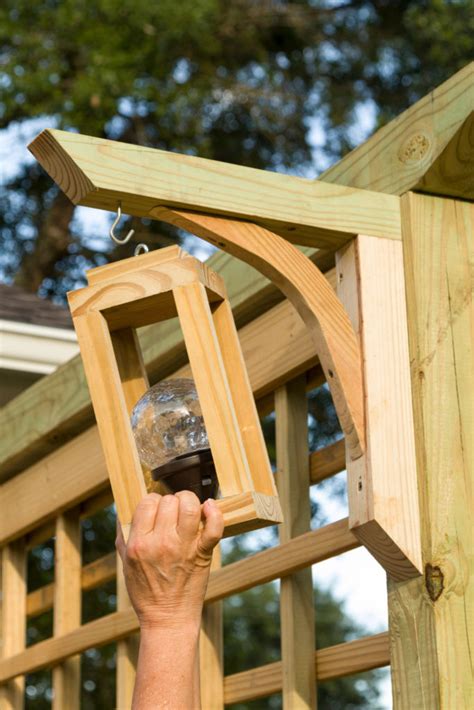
(60,166)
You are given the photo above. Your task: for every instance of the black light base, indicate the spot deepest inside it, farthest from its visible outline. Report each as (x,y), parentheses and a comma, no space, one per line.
(191,472)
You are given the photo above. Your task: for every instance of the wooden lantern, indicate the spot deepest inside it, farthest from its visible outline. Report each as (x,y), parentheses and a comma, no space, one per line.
(148,289)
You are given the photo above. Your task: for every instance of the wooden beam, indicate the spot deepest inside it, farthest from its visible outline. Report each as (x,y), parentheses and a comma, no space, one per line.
(398,156)
(309,292)
(101,173)
(430,620)
(300,552)
(296,590)
(263,567)
(330,663)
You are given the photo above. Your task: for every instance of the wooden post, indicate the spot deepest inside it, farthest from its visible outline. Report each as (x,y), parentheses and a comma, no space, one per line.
(296,590)
(127,650)
(211,651)
(67,607)
(431,628)
(13,618)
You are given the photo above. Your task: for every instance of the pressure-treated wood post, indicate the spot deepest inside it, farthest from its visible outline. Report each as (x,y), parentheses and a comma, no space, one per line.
(431,618)
(211,650)
(296,590)
(13,618)
(67,607)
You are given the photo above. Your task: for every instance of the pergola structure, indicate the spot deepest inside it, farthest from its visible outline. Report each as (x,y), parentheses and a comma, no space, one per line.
(389,230)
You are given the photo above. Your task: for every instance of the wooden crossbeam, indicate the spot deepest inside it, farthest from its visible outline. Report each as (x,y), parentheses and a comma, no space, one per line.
(330,663)
(427,148)
(308,549)
(100,173)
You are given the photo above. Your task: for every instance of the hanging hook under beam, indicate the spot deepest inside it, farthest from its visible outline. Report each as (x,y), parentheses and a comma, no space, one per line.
(115,223)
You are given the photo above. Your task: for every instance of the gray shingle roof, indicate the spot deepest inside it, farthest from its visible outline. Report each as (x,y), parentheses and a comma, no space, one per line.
(19,305)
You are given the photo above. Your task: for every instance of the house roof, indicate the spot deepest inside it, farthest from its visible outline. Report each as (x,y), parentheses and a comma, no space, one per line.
(19,305)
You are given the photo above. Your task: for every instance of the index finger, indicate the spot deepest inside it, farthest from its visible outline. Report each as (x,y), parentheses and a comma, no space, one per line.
(144,517)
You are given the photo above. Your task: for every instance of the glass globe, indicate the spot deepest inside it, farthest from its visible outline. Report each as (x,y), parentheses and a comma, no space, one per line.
(171,438)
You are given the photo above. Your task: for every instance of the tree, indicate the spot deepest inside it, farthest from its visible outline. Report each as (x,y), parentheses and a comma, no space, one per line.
(243,81)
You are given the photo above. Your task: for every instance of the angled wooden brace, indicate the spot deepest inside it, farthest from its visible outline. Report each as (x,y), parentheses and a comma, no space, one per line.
(309,292)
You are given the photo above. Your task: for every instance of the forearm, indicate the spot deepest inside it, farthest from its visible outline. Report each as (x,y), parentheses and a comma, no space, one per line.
(167,671)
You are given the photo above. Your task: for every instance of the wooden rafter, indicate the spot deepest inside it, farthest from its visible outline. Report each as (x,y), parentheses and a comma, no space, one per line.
(428,148)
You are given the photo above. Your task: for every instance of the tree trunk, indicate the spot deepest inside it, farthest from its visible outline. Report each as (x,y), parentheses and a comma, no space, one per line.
(52,244)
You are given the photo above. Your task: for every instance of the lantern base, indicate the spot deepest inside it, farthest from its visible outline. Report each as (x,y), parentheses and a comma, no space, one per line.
(191,472)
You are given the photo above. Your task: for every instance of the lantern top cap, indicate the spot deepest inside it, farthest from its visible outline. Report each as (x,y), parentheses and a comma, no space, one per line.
(139,291)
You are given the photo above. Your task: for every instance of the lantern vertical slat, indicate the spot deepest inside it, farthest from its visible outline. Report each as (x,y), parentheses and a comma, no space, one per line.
(242,396)
(213,389)
(111,412)
(296,590)
(14,591)
(134,378)
(67,607)
(211,650)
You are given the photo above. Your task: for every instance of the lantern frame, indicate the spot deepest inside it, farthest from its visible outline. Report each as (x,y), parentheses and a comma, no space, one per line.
(151,288)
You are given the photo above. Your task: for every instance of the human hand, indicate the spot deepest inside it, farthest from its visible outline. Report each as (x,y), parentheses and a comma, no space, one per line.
(167,557)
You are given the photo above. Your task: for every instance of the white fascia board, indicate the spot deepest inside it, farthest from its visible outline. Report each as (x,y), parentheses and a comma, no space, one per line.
(35,348)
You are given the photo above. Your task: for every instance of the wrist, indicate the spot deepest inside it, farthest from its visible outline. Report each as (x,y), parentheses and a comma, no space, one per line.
(172,626)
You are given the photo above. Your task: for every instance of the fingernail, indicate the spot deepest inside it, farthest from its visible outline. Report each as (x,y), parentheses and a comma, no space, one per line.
(211,503)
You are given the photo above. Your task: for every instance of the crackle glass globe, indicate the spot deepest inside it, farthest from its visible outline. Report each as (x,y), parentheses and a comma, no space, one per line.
(167,423)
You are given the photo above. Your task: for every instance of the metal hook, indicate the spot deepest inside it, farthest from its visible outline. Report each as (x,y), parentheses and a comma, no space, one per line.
(141,248)
(114,224)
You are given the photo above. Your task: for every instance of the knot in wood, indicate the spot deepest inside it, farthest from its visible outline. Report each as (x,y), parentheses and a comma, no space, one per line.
(414,148)
(434,581)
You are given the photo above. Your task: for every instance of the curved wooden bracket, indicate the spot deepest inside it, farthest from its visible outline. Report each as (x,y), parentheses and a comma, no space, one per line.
(306,288)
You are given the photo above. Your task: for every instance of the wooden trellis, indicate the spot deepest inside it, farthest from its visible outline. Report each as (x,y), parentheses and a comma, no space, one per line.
(386,252)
